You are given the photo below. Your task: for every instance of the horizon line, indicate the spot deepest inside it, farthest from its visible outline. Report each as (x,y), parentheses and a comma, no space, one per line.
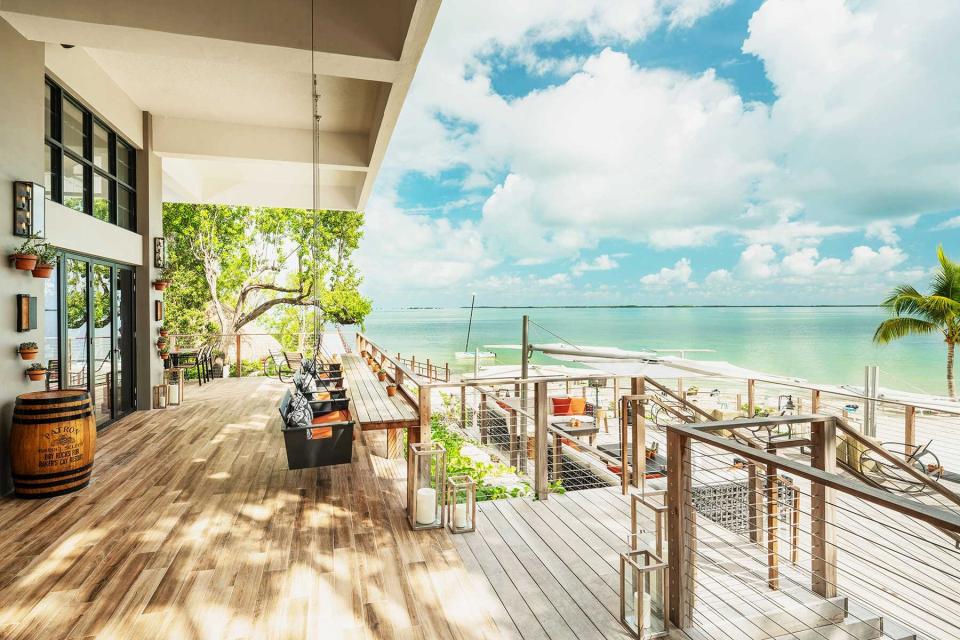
(646,306)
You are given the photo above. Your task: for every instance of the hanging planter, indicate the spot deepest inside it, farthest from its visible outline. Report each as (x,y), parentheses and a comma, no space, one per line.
(36,372)
(160,285)
(43,270)
(24,261)
(28,350)
(46,261)
(164,332)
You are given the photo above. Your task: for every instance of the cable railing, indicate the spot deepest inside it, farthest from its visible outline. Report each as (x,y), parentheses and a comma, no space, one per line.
(796,549)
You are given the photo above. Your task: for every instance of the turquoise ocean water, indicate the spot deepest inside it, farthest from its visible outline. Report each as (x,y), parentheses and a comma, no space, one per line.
(821,344)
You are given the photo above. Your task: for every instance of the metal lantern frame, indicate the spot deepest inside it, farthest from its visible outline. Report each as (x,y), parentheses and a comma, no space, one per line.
(426,469)
(159,396)
(642,566)
(461,485)
(647,501)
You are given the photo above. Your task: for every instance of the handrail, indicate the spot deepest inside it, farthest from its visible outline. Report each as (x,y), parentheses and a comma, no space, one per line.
(385,355)
(936,516)
(896,461)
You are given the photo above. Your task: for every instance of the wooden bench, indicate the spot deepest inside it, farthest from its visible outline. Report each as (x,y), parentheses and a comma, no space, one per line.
(373,409)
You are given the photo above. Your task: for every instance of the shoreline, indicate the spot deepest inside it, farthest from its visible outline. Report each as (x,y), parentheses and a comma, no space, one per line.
(649,306)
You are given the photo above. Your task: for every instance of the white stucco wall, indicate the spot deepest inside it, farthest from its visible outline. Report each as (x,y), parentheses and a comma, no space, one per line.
(21,158)
(81,233)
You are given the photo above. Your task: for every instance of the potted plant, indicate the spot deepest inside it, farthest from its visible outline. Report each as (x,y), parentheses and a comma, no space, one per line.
(36,372)
(382,375)
(161,342)
(46,261)
(166,277)
(391,390)
(25,257)
(165,351)
(28,350)
(164,332)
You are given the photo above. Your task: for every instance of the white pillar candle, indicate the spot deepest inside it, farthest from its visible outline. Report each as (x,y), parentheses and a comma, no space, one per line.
(426,505)
(460,516)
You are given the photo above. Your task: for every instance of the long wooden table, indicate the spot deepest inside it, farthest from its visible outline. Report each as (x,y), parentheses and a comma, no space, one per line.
(372,408)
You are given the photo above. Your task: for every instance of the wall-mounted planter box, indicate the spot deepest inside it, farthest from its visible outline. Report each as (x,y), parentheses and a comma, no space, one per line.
(36,374)
(43,270)
(160,285)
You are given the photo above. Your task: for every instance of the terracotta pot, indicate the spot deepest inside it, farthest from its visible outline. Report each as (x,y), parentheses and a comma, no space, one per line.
(164,356)
(24,261)
(43,270)
(160,343)
(36,374)
(29,354)
(164,333)
(160,285)
(381,376)
(391,390)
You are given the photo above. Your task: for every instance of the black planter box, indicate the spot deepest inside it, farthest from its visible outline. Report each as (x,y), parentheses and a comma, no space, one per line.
(306,452)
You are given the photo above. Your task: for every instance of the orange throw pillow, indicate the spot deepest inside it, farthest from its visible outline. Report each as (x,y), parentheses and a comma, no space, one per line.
(561,406)
(333,416)
(577,406)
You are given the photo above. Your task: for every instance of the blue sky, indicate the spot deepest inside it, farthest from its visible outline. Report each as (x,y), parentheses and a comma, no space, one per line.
(671,152)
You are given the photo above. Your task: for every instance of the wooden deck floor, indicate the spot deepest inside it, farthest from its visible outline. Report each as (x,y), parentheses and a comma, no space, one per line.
(193,527)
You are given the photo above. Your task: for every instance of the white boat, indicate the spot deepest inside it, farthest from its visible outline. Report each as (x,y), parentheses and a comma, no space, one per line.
(470,355)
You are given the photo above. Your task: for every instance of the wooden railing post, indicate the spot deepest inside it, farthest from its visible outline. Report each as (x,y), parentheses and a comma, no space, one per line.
(541,485)
(681,532)
(638,387)
(753,503)
(624,452)
(815,401)
(909,429)
(239,361)
(422,433)
(463,407)
(773,525)
(823,556)
(751,397)
(616,398)
(446,372)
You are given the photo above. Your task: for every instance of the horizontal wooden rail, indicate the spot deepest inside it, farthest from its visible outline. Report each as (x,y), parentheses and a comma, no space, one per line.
(936,516)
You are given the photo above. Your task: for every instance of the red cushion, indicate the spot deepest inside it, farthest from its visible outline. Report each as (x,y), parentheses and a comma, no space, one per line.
(320,433)
(561,406)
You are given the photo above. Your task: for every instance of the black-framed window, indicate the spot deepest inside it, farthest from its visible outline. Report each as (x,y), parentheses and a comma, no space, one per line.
(88,166)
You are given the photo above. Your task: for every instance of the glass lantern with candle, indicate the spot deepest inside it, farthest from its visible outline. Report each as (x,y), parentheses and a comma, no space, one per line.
(426,482)
(461,504)
(646,506)
(643,594)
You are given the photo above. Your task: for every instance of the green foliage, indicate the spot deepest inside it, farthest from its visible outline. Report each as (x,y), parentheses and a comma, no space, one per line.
(46,254)
(36,366)
(915,313)
(231,266)
(458,464)
(30,246)
(28,346)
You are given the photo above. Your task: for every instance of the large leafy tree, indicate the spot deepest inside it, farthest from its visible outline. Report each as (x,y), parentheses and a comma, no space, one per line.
(233,266)
(915,313)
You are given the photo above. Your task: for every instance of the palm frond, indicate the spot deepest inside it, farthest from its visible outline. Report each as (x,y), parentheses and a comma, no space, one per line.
(946,282)
(896,328)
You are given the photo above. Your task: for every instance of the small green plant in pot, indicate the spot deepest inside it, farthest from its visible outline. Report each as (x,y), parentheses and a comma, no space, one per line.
(164,279)
(164,332)
(36,371)
(46,261)
(164,351)
(28,350)
(25,256)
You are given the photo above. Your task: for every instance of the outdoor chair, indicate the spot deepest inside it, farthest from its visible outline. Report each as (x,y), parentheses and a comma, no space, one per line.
(307,386)
(283,372)
(316,436)
(190,361)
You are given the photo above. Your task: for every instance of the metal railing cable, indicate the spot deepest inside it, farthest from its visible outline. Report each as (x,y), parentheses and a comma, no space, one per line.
(917,591)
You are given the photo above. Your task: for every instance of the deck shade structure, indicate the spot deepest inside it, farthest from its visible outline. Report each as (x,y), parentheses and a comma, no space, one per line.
(426,485)
(643,594)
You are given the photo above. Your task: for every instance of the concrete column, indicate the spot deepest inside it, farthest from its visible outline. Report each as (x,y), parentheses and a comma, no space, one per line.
(21,158)
(149,226)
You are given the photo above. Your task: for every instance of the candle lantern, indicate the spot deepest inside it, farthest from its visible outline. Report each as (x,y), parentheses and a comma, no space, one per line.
(160,396)
(649,505)
(174,379)
(461,504)
(28,209)
(643,594)
(426,481)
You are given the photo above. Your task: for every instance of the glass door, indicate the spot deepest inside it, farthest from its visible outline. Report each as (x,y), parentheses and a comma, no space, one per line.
(98,322)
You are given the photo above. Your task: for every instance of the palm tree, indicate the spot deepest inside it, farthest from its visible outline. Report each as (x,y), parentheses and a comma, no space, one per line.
(915,313)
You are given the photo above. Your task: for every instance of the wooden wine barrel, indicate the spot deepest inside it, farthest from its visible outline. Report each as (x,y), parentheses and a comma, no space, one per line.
(52,443)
